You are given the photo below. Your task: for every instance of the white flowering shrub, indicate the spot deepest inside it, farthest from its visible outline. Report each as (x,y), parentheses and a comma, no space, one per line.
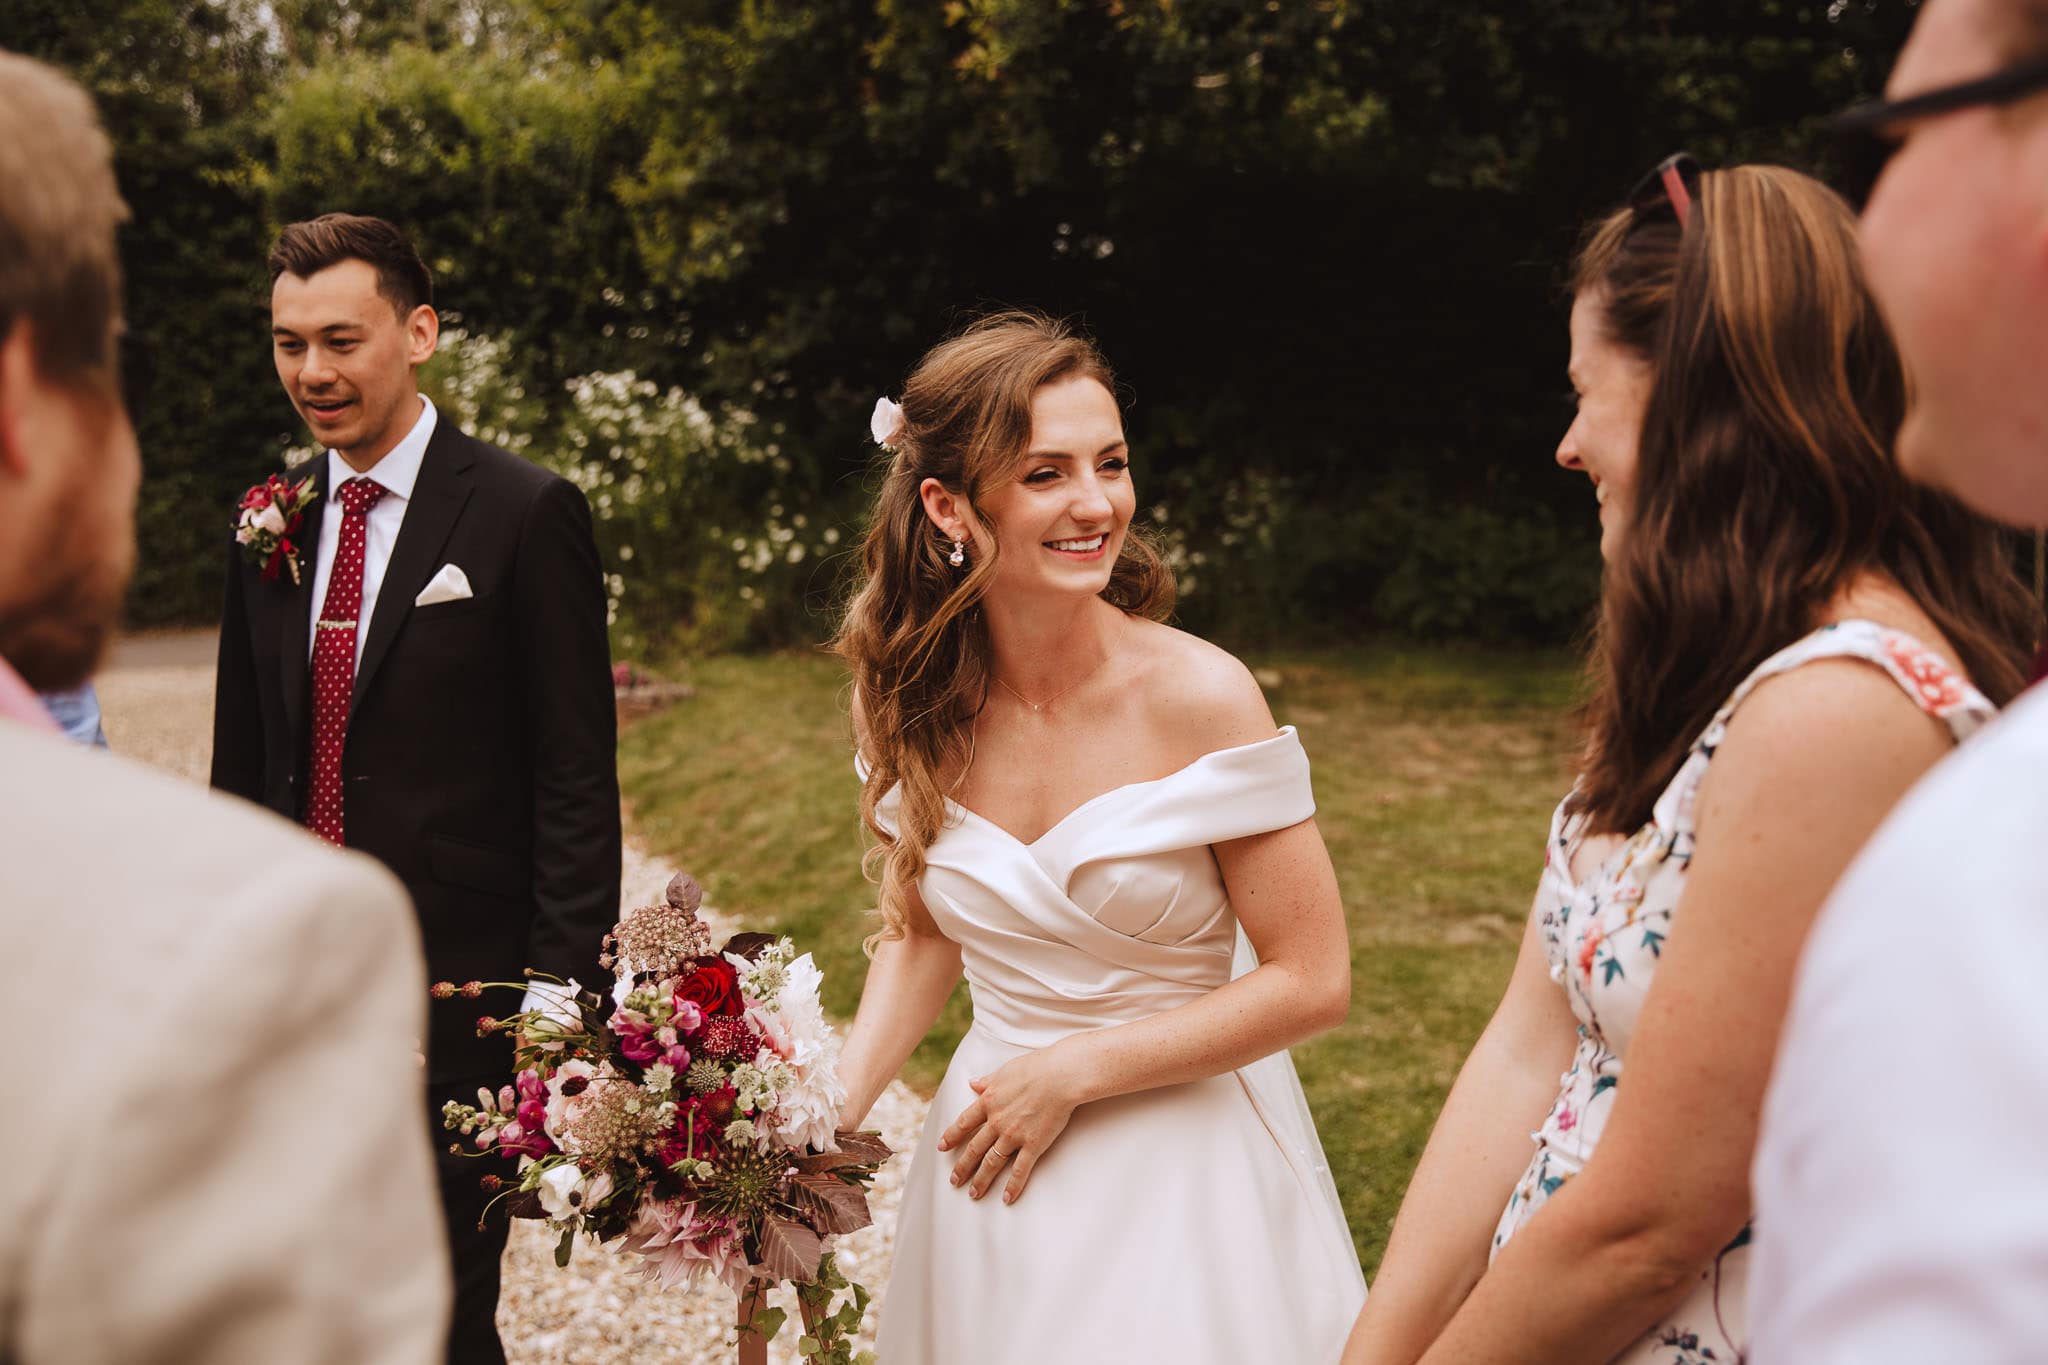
(695,512)
(470,379)
(695,508)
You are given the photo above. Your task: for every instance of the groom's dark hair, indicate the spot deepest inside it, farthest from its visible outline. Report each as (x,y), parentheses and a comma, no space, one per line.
(305,248)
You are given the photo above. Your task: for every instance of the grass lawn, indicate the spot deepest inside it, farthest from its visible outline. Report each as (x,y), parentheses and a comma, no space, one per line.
(1435,772)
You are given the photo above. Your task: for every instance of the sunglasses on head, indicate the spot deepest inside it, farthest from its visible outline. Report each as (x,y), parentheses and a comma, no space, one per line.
(1674,184)
(1867,136)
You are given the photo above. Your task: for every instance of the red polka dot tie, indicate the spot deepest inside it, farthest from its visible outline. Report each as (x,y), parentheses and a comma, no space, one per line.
(334,657)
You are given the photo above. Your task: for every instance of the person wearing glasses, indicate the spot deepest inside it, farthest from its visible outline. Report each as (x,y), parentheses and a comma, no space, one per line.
(1789,635)
(1902,1165)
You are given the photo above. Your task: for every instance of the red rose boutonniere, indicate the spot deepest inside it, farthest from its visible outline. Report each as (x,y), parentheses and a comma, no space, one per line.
(271,514)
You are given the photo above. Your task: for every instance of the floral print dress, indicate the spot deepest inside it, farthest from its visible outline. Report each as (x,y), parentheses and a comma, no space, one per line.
(1605,936)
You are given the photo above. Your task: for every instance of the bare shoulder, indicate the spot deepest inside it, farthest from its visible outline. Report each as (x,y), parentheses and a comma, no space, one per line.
(1834,729)
(1202,694)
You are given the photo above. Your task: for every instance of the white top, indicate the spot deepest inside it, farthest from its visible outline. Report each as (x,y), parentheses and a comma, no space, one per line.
(397,472)
(1901,1176)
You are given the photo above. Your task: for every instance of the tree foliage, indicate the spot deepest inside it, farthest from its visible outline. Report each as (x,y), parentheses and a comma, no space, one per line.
(176,82)
(1321,240)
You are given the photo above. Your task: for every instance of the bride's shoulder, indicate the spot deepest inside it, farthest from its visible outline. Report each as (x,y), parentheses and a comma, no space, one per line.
(1200,693)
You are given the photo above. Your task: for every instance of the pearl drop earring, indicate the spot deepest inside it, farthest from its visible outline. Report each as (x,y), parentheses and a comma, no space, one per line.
(959,555)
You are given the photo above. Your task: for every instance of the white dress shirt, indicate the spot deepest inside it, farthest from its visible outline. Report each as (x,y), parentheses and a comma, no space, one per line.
(397,472)
(1901,1175)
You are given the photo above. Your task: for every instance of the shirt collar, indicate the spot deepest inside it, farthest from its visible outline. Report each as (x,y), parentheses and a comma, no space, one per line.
(399,470)
(19,702)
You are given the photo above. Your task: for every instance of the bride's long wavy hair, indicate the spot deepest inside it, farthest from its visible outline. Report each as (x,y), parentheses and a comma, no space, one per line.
(913,634)
(1765,480)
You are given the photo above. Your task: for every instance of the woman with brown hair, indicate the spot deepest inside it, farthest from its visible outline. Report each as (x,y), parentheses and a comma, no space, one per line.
(1789,635)
(1095,816)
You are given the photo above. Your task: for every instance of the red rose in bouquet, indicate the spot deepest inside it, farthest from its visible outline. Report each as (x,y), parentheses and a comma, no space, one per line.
(713,988)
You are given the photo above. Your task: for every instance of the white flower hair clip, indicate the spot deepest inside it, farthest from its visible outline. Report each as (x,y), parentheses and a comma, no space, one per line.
(886,423)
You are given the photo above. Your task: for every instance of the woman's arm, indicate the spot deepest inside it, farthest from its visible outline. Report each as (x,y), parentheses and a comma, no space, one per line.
(1477,1151)
(909,981)
(908,984)
(1284,892)
(1809,767)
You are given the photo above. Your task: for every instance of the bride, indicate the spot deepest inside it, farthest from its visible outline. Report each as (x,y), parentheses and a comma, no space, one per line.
(1093,815)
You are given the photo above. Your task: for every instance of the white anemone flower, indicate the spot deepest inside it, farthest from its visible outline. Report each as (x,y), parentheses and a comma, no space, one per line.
(566,1192)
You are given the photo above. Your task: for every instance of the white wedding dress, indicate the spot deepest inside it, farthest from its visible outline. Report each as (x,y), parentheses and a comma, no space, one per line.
(1191,1223)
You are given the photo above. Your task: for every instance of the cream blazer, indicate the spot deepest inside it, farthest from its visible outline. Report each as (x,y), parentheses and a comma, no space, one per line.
(213,1146)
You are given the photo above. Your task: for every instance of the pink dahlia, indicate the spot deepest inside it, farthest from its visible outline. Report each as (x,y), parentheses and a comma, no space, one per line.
(675,1246)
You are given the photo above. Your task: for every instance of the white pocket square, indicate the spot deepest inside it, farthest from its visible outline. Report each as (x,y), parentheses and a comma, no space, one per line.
(449,585)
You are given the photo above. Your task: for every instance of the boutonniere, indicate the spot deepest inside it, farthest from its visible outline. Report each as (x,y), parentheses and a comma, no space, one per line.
(271,514)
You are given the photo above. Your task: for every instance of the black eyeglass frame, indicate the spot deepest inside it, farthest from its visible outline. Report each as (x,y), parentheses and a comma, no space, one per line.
(1862,149)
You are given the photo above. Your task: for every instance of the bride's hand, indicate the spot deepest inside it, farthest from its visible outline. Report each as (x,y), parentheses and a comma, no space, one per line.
(1019,1111)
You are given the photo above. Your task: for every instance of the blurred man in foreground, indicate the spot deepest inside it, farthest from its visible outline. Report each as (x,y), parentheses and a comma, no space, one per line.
(213,1147)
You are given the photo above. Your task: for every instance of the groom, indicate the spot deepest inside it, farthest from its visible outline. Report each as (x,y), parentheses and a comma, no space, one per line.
(430,682)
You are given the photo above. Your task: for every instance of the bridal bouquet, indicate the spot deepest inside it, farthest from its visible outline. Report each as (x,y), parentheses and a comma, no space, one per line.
(694,1126)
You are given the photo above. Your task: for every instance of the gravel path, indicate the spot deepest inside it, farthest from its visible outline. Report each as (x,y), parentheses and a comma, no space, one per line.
(156,700)
(157,695)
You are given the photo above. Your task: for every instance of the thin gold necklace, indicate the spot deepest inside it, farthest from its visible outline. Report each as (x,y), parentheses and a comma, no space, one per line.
(1041,705)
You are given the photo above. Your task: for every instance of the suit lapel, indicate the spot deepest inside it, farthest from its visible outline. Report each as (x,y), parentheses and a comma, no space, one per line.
(437,500)
(298,618)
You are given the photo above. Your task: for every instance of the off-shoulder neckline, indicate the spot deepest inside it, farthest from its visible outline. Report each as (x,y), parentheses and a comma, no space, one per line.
(1286,733)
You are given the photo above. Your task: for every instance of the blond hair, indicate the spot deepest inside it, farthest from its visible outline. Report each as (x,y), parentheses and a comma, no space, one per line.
(59,206)
(913,634)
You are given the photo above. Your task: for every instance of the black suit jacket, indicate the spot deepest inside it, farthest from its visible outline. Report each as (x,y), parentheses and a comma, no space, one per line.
(481,757)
